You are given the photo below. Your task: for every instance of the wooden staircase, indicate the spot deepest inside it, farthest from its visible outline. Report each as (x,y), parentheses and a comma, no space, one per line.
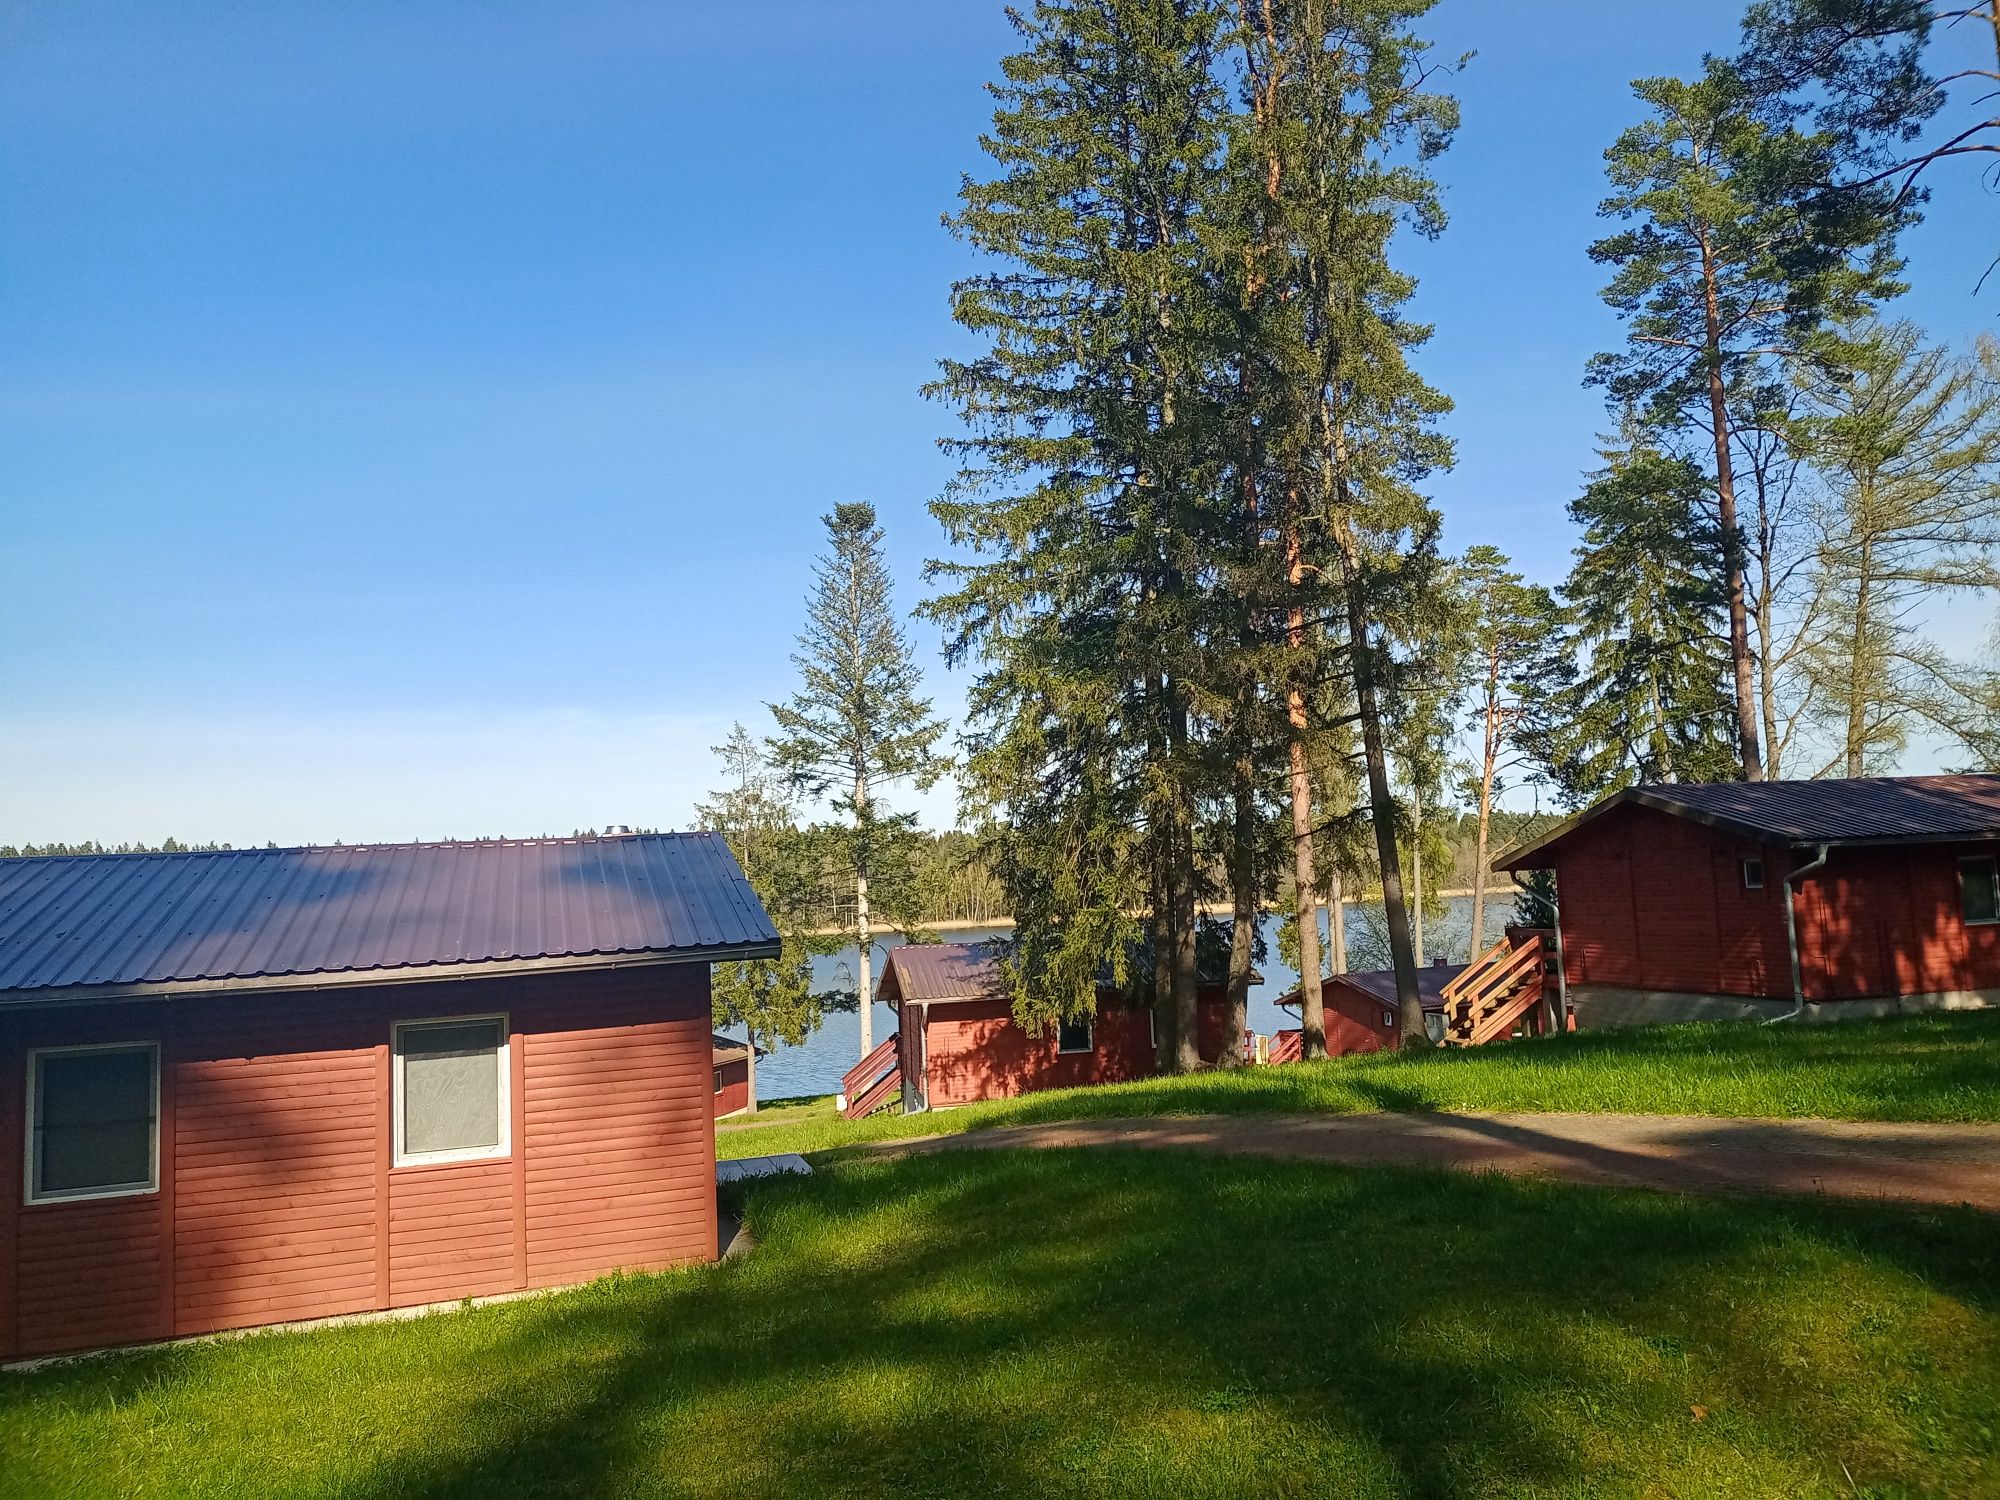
(1496,993)
(874,1081)
(1286,1047)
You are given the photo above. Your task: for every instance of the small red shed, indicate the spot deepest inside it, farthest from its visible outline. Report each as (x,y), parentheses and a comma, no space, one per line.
(255,1086)
(1361,1008)
(732,1074)
(1828,898)
(958,1041)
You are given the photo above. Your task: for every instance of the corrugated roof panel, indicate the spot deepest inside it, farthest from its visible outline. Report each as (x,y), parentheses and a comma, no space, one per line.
(129,919)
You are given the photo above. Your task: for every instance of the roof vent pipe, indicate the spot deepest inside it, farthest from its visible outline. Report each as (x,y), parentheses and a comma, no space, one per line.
(1792,936)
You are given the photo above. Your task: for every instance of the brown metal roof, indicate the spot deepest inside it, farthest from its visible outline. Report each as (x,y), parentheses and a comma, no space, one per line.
(1380,984)
(81,922)
(726,1049)
(1863,810)
(941,971)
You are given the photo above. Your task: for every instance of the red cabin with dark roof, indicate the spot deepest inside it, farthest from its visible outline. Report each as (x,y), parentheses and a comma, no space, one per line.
(958,1041)
(1360,1008)
(245,1087)
(1829,898)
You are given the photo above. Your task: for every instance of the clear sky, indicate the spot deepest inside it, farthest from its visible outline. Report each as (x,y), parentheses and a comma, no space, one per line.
(415,419)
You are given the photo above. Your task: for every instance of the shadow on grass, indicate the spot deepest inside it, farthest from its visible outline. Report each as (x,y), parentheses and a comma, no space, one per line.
(1114,1322)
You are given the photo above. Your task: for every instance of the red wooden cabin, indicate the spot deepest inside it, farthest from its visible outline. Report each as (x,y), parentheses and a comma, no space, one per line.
(262,1085)
(1361,1008)
(1828,898)
(731,1060)
(957,1040)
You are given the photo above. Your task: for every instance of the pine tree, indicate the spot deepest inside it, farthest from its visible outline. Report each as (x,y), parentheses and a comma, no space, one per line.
(1734,260)
(1341,102)
(855,726)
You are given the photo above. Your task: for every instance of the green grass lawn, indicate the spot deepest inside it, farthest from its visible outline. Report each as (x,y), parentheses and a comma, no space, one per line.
(797,1111)
(1934,1067)
(1123,1323)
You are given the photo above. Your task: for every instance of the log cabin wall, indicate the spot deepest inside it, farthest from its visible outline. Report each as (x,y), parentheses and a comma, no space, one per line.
(277,1197)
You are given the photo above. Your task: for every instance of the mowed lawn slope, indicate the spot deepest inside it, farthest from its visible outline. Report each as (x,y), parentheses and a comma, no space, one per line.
(1122,1323)
(1934,1067)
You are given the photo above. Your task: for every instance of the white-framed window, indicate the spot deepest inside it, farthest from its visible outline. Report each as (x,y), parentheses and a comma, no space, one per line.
(1388,1020)
(450,1089)
(1075,1036)
(1753,874)
(1979,888)
(718,1080)
(93,1121)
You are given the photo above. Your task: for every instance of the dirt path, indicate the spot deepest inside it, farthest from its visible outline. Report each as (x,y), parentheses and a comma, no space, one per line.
(1694,1153)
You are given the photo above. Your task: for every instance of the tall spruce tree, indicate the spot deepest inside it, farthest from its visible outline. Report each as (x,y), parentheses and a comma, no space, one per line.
(1640,693)
(856,726)
(1345,118)
(1088,512)
(1734,260)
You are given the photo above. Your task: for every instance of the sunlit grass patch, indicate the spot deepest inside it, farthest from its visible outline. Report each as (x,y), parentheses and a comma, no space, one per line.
(1938,1067)
(1123,1323)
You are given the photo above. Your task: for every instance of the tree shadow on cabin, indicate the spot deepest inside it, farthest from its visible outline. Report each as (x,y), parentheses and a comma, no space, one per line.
(1443,1333)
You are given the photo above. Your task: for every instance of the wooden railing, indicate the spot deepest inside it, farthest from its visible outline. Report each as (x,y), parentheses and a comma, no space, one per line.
(870,1082)
(1286,1046)
(1493,993)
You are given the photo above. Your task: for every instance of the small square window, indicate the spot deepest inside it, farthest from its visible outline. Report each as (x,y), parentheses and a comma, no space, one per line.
(1753,874)
(451,1090)
(1979,888)
(93,1121)
(1074,1036)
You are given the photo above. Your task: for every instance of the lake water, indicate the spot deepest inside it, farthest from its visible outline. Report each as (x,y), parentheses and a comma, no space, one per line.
(817,1064)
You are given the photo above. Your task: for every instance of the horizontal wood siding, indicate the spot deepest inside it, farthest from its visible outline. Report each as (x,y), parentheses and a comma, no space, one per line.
(451,1232)
(735,1091)
(1354,1020)
(620,1129)
(275,1159)
(1657,903)
(1594,885)
(274,1163)
(977,1050)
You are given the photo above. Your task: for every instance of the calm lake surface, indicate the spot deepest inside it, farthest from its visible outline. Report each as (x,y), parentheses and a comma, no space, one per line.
(816,1065)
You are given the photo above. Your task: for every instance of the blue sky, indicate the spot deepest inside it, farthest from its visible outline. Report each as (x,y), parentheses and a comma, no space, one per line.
(414,420)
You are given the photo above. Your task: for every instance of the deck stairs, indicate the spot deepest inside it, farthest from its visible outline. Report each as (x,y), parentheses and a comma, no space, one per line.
(1496,994)
(1286,1047)
(874,1081)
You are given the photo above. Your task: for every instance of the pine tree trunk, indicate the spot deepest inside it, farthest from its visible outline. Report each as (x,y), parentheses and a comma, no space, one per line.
(1305,882)
(1187,999)
(1732,535)
(1417,870)
(1336,922)
(1242,888)
(1382,809)
(1186,995)
(750,1069)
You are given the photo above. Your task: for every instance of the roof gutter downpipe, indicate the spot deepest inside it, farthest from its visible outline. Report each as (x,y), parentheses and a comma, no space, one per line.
(1792,936)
